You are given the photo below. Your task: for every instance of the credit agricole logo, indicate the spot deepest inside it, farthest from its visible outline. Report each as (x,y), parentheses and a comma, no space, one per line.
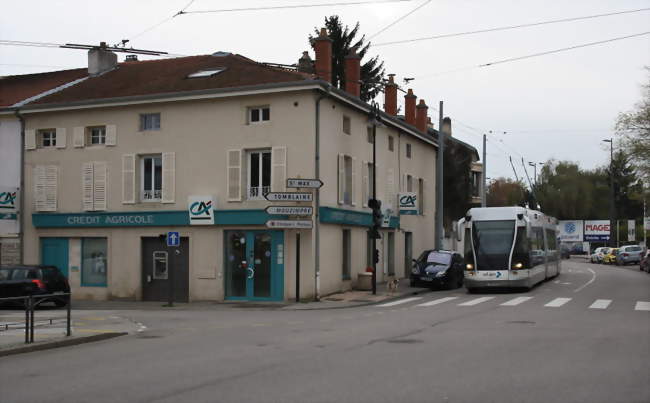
(8,200)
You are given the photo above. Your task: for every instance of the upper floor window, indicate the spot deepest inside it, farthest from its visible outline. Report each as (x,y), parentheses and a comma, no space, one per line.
(96,135)
(409,183)
(259,173)
(347,193)
(259,114)
(47,137)
(149,121)
(370,136)
(420,198)
(408,151)
(151,174)
(391,144)
(347,125)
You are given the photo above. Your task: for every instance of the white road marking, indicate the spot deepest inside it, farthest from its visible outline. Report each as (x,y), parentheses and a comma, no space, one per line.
(516,301)
(556,282)
(642,306)
(593,278)
(437,301)
(565,283)
(401,301)
(557,302)
(600,304)
(476,301)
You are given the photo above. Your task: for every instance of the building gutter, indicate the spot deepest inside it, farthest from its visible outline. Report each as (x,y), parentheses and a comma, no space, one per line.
(316,237)
(21,206)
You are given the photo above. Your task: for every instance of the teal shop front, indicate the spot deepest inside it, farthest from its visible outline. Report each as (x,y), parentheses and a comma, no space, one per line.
(254,265)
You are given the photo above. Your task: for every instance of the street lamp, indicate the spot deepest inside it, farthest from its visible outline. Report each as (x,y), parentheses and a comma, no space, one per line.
(612,211)
(534,165)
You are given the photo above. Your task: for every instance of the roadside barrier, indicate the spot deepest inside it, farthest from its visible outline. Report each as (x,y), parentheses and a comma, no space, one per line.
(30,302)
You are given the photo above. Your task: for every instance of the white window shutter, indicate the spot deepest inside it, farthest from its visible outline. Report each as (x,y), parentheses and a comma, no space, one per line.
(168,177)
(422,196)
(234,175)
(30,139)
(278,169)
(60,137)
(51,185)
(39,187)
(100,181)
(128,178)
(365,184)
(353,191)
(78,137)
(341,167)
(87,186)
(111,135)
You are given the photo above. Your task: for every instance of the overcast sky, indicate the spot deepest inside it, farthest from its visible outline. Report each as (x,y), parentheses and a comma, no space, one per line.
(558,106)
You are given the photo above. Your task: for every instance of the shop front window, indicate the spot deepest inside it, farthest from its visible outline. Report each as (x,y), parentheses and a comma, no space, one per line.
(94,262)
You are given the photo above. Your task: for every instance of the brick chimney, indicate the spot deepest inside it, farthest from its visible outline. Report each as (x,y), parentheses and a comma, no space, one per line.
(323,47)
(390,102)
(421,116)
(446,126)
(305,64)
(409,112)
(101,60)
(353,73)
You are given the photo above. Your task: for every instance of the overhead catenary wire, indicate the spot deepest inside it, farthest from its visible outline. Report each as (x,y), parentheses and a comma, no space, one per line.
(510,27)
(399,19)
(267,8)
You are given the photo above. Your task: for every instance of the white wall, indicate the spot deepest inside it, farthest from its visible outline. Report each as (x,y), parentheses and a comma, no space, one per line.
(9,165)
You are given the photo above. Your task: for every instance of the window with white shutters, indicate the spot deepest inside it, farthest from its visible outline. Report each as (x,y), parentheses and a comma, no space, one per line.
(234,175)
(78,137)
(346,179)
(30,139)
(60,137)
(45,187)
(93,185)
(151,174)
(278,169)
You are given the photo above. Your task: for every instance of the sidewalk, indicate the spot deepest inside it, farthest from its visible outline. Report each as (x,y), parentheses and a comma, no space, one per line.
(50,329)
(354,298)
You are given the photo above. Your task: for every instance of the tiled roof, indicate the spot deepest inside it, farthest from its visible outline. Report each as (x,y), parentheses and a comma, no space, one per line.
(171,75)
(14,89)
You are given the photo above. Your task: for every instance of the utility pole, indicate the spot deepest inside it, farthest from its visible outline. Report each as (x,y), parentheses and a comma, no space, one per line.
(439,183)
(612,212)
(483,188)
(534,165)
(373,203)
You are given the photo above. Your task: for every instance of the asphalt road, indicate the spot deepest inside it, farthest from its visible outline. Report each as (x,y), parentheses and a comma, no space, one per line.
(556,344)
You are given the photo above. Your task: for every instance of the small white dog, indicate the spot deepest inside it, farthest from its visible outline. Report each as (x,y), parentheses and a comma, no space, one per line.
(392,285)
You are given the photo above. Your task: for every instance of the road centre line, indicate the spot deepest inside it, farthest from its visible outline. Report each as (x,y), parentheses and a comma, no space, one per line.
(516,301)
(437,301)
(399,302)
(600,304)
(642,306)
(476,301)
(558,302)
(593,277)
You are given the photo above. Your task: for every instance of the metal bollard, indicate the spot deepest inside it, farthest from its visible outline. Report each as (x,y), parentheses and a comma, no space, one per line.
(26,320)
(68,332)
(31,319)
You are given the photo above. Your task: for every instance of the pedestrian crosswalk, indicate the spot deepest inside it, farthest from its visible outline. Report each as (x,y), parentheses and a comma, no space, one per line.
(467,301)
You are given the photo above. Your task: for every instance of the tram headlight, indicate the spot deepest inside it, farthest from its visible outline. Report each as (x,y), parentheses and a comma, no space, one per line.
(518,266)
(469,266)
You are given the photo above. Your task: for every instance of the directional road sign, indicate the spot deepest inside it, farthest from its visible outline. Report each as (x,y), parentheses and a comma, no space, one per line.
(304,183)
(301,224)
(289,196)
(289,210)
(173,239)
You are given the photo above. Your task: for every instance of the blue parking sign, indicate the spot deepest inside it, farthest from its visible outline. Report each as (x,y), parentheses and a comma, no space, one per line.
(173,239)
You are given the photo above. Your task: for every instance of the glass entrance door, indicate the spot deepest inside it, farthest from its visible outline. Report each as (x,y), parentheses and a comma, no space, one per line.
(254,265)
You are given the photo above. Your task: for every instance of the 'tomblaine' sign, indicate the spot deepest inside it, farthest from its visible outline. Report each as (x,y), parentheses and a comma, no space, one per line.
(301,224)
(289,196)
(304,183)
(289,210)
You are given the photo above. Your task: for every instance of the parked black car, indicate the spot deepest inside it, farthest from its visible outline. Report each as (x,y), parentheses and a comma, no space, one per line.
(437,268)
(20,281)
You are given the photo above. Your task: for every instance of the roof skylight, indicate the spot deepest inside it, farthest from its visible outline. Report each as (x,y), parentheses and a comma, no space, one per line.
(206,72)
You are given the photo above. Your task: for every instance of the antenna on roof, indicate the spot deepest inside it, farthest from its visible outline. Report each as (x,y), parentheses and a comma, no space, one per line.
(103,46)
(408,79)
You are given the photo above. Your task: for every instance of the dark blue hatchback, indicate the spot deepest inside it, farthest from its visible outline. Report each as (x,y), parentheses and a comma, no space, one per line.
(437,268)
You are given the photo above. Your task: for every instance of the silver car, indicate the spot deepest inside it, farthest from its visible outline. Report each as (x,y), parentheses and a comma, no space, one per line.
(629,254)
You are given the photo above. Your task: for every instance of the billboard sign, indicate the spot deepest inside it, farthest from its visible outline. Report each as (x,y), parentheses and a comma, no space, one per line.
(596,230)
(571,230)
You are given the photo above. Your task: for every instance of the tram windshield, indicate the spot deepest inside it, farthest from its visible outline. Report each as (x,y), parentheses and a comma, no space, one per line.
(492,242)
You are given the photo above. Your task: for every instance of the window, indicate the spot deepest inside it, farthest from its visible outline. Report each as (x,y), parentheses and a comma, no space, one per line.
(151,174)
(391,254)
(420,197)
(93,262)
(47,138)
(149,121)
(347,193)
(96,135)
(259,174)
(259,114)
(370,137)
(160,265)
(476,183)
(391,145)
(346,125)
(347,255)
(408,151)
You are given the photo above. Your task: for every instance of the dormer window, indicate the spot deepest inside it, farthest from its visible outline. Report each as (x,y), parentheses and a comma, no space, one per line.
(206,72)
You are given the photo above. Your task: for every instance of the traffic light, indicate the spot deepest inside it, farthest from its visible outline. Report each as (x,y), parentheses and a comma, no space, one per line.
(377,217)
(375,256)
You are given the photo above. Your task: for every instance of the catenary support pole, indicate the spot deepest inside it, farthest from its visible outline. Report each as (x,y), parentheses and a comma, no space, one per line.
(297,266)
(439,182)
(483,187)
(374,197)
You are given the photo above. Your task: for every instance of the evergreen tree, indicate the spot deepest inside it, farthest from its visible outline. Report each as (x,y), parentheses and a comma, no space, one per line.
(343,40)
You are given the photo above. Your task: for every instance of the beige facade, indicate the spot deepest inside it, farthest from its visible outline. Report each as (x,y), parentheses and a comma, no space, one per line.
(70,186)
